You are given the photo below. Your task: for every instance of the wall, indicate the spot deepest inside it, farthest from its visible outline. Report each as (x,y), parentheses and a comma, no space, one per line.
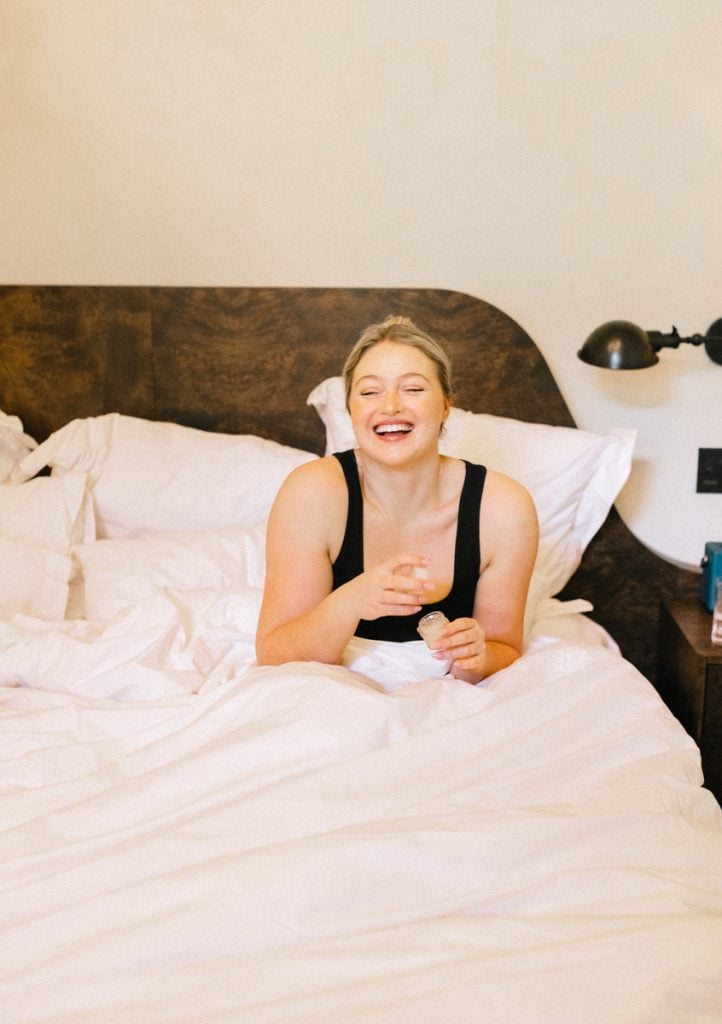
(559,159)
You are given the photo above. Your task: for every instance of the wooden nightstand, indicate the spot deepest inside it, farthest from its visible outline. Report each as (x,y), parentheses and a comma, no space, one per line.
(689,679)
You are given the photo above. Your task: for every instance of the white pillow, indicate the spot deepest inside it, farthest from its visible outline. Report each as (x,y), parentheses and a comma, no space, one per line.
(573,476)
(114,574)
(39,522)
(52,512)
(34,580)
(14,446)
(152,477)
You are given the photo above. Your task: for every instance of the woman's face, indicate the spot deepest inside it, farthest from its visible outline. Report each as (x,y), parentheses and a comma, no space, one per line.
(396,403)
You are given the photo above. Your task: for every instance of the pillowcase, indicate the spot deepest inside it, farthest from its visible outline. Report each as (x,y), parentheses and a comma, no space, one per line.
(14,445)
(34,580)
(114,574)
(54,513)
(39,522)
(574,476)
(154,477)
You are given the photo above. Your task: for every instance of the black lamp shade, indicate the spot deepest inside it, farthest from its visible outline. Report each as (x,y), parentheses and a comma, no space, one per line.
(619,345)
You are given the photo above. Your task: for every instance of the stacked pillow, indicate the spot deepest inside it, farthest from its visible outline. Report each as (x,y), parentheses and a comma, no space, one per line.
(115,574)
(40,523)
(147,506)
(153,477)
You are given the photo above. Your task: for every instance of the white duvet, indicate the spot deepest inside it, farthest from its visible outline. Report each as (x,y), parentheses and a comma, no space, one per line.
(187,837)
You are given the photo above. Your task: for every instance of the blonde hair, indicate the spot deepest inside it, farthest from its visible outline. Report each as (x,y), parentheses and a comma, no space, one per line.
(402,331)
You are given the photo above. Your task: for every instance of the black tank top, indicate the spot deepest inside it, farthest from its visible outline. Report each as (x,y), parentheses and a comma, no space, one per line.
(459,602)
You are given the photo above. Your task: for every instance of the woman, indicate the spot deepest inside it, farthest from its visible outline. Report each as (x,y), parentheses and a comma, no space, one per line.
(365,542)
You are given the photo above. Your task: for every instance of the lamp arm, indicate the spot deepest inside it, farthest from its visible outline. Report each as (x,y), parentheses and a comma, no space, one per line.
(658,339)
(712,340)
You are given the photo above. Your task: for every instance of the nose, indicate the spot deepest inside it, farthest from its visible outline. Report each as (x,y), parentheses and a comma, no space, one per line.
(392,401)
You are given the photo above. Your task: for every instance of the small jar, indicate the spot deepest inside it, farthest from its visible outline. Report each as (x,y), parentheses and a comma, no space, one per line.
(430,626)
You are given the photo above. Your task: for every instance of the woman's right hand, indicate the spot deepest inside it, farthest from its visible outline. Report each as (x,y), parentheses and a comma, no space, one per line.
(390,588)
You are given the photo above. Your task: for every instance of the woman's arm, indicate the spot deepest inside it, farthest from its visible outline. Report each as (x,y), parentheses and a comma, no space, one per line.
(494,637)
(301,618)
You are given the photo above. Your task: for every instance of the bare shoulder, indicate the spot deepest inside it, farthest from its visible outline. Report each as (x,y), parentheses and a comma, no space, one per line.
(499,484)
(505,498)
(320,478)
(311,499)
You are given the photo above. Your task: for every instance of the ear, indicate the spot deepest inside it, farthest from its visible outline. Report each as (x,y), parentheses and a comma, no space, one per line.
(445,416)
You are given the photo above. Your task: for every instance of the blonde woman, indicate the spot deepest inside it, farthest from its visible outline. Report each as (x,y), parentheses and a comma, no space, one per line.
(367,541)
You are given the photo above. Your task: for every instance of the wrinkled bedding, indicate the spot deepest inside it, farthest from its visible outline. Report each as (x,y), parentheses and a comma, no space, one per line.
(187,837)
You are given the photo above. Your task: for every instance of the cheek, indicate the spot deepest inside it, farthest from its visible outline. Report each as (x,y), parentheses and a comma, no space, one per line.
(358,414)
(439,410)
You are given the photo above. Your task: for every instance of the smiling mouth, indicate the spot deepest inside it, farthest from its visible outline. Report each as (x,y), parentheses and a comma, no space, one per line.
(393,429)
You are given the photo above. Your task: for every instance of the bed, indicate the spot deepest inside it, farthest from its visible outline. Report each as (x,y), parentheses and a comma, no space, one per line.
(187,836)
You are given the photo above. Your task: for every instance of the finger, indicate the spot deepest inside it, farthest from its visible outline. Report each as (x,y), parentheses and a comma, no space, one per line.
(451,641)
(464,655)
(462,632)
(406,585)
(407,561)
(400,609)
(460,669)
(468,664)
(404,600)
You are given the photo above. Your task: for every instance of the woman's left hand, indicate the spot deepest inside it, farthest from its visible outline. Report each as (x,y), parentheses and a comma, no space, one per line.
(464,641)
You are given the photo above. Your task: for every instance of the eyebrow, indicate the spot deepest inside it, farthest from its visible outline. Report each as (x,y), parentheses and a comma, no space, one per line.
(404,376)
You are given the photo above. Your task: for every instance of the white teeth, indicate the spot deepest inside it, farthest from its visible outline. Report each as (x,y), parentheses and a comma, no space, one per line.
(393,428)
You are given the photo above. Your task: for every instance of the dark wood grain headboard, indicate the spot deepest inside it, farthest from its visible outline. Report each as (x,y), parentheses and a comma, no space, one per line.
(243,360)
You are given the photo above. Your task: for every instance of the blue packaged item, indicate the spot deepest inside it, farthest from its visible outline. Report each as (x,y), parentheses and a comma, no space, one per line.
(711,570)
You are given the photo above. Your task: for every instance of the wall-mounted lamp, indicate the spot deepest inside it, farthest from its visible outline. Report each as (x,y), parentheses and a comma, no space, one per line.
(620,345)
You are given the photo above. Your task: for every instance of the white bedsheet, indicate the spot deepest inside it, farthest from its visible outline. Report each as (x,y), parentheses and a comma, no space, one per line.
(301,844)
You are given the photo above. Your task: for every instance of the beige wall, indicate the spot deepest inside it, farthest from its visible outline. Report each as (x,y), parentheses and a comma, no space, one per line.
(559,158)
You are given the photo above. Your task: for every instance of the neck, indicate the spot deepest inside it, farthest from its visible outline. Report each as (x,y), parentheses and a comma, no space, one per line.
(403,490)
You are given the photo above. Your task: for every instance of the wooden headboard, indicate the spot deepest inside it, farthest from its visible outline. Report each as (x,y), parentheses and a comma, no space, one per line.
(243,360)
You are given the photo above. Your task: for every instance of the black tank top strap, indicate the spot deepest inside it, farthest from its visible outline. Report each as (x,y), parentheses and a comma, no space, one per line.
(349,561)
(467,552)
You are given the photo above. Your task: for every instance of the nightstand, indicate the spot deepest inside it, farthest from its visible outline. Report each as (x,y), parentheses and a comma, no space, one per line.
(689,679)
